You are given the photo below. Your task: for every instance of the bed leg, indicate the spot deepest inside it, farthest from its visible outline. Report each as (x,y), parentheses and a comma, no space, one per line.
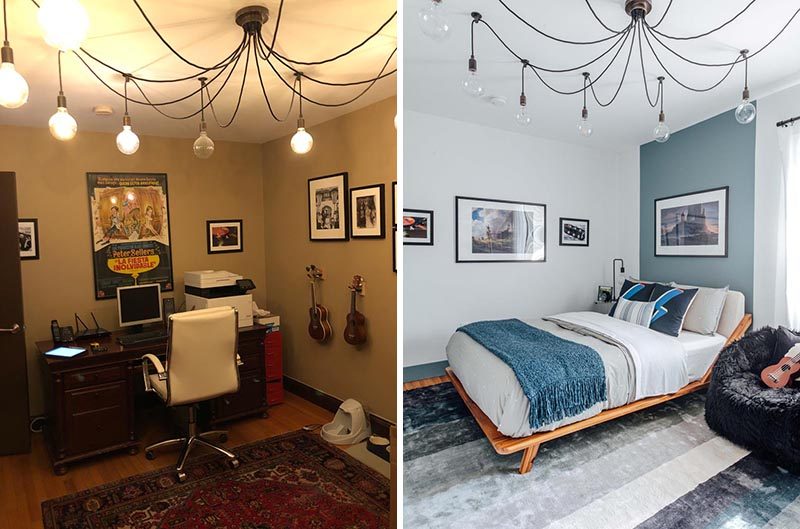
(527,459)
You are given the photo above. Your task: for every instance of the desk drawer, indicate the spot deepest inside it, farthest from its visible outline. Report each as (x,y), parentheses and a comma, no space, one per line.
(94,377)
(251,362)
(97,429)
(96,398)
(250,397)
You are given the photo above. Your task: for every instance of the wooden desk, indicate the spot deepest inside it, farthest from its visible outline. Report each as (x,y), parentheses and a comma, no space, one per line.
(90,398)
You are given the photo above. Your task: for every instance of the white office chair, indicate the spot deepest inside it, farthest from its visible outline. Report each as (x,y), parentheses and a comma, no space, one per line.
(202,364)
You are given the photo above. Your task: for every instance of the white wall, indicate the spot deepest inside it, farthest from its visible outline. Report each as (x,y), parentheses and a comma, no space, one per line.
(444,158)
(768,307)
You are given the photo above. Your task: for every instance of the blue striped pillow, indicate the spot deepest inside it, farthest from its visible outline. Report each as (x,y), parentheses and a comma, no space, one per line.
(638,312)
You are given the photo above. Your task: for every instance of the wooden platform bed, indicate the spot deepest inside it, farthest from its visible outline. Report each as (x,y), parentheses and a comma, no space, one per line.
(505,445)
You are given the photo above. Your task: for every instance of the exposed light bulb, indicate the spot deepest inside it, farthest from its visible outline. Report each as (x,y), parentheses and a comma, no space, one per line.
(127,140)
(584,125)
(472,83)
(302,142)
(746,112)
(63,127)
(64,23)
(203,146)
(522,116)
(13,87)
(661,133)
(433,22)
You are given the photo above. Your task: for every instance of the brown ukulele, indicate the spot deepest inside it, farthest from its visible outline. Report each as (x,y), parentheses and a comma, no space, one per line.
(318,327)
(782,373)
(356,331)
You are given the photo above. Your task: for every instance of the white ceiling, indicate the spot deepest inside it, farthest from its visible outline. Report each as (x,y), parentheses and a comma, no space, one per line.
(433,71)
(204,32)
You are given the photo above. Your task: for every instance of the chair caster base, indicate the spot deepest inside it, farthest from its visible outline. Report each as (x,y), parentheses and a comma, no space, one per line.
(182,477)
(149,455)
(233,463)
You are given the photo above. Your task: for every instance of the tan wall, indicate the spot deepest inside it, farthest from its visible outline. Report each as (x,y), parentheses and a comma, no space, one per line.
(362,143)
(51,186)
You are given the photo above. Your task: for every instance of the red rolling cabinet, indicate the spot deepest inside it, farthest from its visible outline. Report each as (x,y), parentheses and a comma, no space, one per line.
(273,356)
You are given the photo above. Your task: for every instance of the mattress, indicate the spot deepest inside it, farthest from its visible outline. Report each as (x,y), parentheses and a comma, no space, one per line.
(494,387)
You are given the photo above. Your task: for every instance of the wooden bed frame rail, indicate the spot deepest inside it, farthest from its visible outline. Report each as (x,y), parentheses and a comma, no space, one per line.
(505,445)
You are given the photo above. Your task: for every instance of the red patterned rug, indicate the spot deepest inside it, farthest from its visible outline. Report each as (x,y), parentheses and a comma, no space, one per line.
(292,481)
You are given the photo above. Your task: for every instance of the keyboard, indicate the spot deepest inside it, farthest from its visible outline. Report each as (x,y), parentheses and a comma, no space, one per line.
(143,337)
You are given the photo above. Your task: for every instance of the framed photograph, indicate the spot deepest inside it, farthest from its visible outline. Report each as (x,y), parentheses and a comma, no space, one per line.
(604,294)
(129,215)
(28,239)
(692,225)
(395,205)
(224,236)
(573,232)
(367,213)
(328,208)
(418,227)
(394,248)
(500,231)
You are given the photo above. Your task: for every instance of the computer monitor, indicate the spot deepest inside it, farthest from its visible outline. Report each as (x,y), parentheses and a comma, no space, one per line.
(139,304)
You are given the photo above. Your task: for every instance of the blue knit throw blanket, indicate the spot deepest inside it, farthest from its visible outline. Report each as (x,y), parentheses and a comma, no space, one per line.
(559,377)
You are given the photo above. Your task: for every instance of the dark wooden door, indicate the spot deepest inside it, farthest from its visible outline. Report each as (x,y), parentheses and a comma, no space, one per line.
(14,418)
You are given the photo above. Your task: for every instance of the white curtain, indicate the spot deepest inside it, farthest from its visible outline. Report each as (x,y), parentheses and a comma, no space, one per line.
(789,225)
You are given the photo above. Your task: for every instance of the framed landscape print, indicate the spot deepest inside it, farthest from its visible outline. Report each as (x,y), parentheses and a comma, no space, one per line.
(692,225)
(367,215)
(500,231)
(418,227)
(573,232)
(224,236)
(28,239)
(328,208)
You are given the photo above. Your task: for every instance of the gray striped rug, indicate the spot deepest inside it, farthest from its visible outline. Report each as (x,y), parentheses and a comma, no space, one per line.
(661,468)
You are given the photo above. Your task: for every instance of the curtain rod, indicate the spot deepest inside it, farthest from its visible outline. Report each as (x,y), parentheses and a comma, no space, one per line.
(788,122)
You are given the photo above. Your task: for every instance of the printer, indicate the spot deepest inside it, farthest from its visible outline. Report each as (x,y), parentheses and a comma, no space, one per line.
(205,289)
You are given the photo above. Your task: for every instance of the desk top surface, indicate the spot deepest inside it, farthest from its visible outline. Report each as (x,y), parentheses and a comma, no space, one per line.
(114,349)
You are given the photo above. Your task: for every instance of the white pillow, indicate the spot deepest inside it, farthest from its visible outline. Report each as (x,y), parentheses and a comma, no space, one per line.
(706,309)
(638,312)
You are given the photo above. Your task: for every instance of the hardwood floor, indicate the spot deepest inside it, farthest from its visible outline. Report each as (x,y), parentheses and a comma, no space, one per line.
(27,480)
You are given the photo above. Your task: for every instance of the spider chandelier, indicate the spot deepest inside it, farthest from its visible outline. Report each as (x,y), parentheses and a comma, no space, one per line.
(65,23)
(639,35)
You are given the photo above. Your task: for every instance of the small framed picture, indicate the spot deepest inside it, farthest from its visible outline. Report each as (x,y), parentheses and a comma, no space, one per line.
(394,248)
(396,213)
(328,208)
(28,239)
(224,236)
(418,227)
(367,216)
(604,294)
(573,232)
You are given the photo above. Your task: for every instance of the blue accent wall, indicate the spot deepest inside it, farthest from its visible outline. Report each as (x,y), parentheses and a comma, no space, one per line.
(715,153)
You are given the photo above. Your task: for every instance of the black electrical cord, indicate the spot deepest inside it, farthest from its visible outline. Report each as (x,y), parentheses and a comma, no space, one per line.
(664,15)
(60,83)
(644,74)
(621,81)
(274,33)
(600,20)
(241,92)
(707,33)
(5,25)
(266,96)
(551,37)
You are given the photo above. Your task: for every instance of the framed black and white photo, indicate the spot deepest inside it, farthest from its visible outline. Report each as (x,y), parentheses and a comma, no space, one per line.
(573,232)
(367,216)
(328,208)
(500,231)
(692,225)
(224,236)
(418,227)
(395,248)
(28,239)
(395,205)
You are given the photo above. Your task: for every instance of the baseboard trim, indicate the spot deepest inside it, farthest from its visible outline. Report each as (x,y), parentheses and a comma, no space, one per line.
(380,426)
(423,371)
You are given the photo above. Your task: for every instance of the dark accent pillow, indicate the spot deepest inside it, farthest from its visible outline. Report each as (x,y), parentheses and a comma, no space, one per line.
(640,293)
(672,303)
(785,339)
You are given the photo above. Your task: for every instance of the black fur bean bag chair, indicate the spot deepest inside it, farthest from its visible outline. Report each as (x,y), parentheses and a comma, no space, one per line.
(742,409)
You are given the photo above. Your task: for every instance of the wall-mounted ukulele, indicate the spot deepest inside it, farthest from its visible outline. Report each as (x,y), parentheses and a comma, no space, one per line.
(318,327)
(781,374)
(356,331)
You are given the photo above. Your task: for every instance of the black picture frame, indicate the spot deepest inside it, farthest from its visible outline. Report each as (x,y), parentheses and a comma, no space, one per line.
(723,218)
(394,249)
(29,247)
(562,221)
(343,233)
(499,201)
(605,294)
(428,241)
(395,212)
(213,249)
(380,216)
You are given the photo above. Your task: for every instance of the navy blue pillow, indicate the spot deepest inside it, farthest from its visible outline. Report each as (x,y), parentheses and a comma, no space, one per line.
(634,291)
(671,306)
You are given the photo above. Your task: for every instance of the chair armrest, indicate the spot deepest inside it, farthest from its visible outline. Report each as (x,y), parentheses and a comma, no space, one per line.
(160,371)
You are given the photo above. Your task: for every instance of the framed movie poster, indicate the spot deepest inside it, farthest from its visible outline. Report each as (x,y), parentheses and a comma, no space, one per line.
(573,232)
(500,231)
(129,215)
(692,225)
(224,236)
(328,210)
(28,239)
(367,213)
